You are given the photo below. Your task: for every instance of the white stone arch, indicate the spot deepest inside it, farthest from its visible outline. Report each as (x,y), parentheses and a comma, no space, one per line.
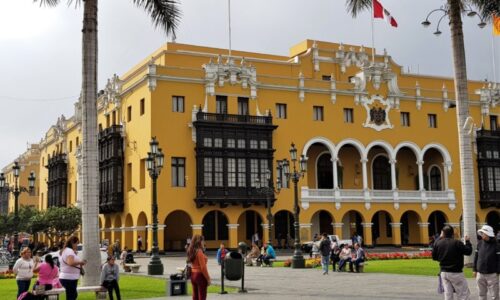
(353,142)
(441,176)
(320,140)
(414,147)
(387,147)
(442,149)
(371,165)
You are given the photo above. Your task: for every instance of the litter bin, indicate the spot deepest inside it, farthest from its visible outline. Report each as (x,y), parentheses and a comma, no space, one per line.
(233,266)
(176,285)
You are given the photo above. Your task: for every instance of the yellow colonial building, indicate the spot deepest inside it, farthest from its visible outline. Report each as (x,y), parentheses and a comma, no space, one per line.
(381,147)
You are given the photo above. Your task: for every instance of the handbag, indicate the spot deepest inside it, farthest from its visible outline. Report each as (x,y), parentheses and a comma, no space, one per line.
(187,271)
(82,271)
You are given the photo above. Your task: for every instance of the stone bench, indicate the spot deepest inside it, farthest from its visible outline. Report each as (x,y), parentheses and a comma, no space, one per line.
(134,267)
(53,294)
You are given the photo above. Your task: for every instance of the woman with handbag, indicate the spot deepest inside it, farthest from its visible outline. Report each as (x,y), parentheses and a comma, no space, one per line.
(48,274)
(200,279)
(71,268)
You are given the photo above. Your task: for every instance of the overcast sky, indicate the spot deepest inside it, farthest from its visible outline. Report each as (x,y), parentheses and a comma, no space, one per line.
(40,48)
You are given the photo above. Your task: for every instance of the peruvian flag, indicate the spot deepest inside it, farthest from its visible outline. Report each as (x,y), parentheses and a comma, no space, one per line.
(379,12)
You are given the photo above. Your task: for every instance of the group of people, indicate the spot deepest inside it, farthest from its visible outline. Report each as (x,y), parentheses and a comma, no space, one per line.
(486,267)
(51,276)
(342,254)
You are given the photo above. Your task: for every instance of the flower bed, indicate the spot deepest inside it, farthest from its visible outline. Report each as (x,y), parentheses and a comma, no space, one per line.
(7,275)
(399,255)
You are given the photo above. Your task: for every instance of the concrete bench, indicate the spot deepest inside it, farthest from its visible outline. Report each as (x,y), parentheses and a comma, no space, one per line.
(271,260)
(53,294)
(134,267)
(361,267)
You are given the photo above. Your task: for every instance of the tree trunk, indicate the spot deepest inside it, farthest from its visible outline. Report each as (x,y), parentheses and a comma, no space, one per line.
(90,196)
(464,139)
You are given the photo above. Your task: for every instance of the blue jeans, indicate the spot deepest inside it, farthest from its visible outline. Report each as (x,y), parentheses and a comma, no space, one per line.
(325,261)
(22,286)
(70,287)
(356,263)
(343,262)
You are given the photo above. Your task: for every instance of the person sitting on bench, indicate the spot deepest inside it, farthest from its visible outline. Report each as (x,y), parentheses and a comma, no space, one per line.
(110,276)
(270,254)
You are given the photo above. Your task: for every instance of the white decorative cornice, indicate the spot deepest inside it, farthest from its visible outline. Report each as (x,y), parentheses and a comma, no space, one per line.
(305,225)
(152,76)
(333,88)
(197,226)
(446,101)
(418,95)
(220,72)
(232,226)
(112,92)
(301,87)
(489,96)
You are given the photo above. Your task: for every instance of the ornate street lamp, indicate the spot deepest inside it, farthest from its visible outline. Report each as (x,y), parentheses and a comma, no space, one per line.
(268,190)
(295,175)
(16,190)
(444,10)
(154,163)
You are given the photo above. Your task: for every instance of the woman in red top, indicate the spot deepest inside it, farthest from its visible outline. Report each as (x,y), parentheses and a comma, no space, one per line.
(199,272)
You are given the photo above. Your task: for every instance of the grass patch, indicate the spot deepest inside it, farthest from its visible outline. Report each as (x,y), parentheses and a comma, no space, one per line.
(426,267)
(131,287)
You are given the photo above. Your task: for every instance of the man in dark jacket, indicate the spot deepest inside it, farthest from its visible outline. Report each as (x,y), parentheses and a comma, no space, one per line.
(450,254)
(324,249)
(487,264)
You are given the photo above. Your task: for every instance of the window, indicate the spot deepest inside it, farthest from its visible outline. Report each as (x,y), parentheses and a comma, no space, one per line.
(142,106)
(242,106)
(326,77)
(435,179)
(432,120)
(318,113)
(348,115)
(231,172)
(254,171)
(207,167)
(282,177)
(178,104)
(108,120)
(129,113)
(142,183)
(219,172)
(231,143)
(207,142)
(241,143)
(263,144)
(221,104)
(405,119)
(70,146)
(114,117)
(178,171)
(242,174)
(253,144)
(493,123)
(129,176)
(100,127)
(280,110)
(77,141)
(218,143)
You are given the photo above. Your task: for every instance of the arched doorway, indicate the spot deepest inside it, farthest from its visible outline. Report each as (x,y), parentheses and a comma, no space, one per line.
(325,171)
(177,229)
(382,229)
(117,231)
(352,224)
(322,222)
(283,228)
(435,180)
(493,219)
(215,228)
(129,234)
(381,173)
(410,229)
(250,222)
(436,221)
(107,230)
(142,222)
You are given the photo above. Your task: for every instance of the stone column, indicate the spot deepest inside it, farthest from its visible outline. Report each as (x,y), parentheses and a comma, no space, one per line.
(337,229)
(367,234)
(365,173)
(197,229)
(233,235)
(161,237)
(265,233)
(393,174)
(305,231)
(335,173)
(446,165)
(420,164)
(424,233)
(396,234)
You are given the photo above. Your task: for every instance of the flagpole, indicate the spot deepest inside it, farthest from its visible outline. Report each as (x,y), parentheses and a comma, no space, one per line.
(493,58)
(373,36)
(229,16)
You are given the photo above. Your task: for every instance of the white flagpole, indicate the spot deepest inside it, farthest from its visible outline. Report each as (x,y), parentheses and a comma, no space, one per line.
(229,16)
(493,58)
(373,36)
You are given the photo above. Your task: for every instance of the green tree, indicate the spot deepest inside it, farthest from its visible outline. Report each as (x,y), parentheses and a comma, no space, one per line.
(455,9)
(59,222)
(165,14)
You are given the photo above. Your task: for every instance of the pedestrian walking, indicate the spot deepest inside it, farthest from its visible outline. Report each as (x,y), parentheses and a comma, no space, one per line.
(221,254)
(200,279)
(139,244)
(450,254)
(23,268)
(117,249)
(325,248)
(110,276)
(487,264)
(71,268)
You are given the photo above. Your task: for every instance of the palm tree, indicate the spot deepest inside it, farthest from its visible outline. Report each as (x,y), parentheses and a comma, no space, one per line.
(455,7)
(165,14)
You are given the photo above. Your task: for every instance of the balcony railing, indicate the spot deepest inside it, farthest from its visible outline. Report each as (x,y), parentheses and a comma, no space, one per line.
(226,118)
(488,133)
(377,196)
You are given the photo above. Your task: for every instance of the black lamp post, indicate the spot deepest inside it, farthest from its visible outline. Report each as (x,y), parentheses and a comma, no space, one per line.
(16,190)
(444,10)
(269,191)
(295,175)
(154,165)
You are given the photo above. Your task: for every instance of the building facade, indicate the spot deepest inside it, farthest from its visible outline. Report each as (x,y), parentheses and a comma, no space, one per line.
(381,147)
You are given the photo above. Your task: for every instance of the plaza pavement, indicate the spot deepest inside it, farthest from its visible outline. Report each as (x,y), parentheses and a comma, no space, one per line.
(287,283)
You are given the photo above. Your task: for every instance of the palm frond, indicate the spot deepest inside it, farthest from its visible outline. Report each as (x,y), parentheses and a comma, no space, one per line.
(164,13)
(485,8)
(52,3)
(357,6)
